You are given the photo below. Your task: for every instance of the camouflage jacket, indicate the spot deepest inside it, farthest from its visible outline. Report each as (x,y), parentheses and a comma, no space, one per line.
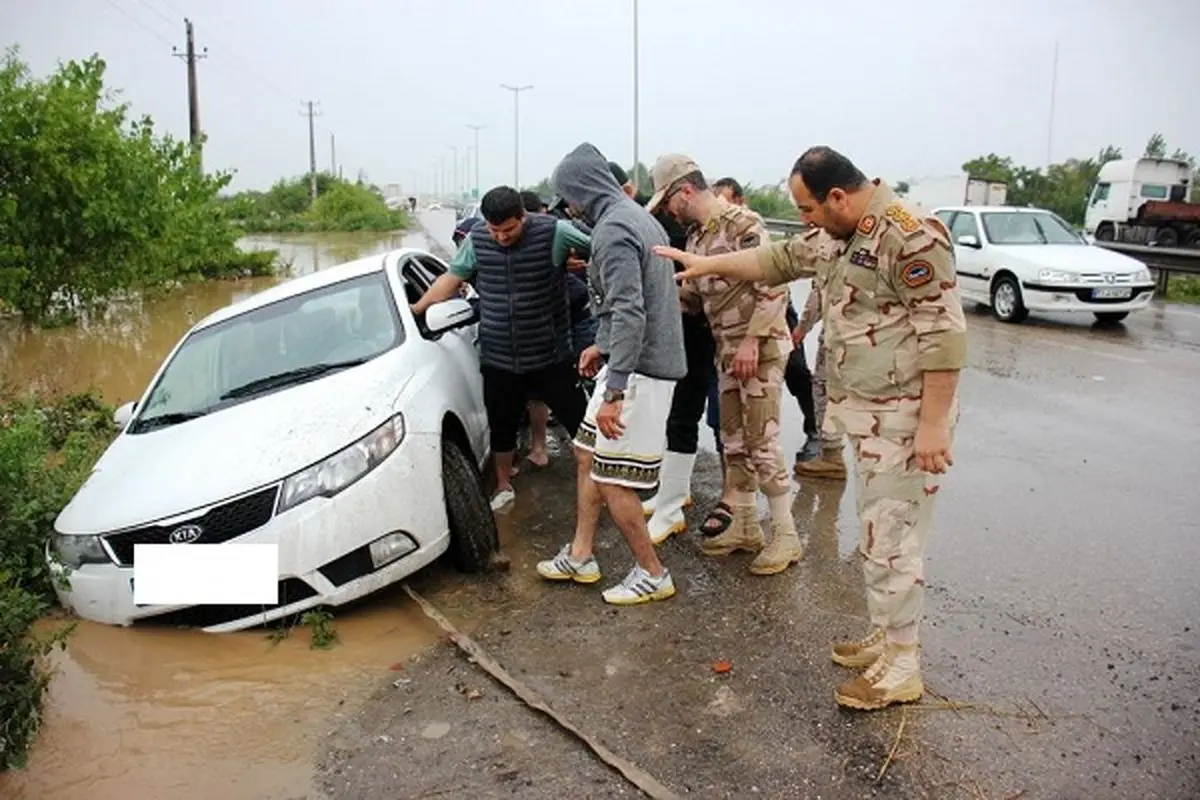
(889,300)
(737,309)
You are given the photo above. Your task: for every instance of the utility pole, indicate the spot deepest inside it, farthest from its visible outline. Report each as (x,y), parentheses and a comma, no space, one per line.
(477,129)
(332,157)
(637,183)
(1053,92)
(193,95)
(516,90)
(312,148)
(454,169)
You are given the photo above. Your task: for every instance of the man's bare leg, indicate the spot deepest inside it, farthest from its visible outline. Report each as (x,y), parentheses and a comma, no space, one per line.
(539,422)
(587,508)
(626,509)
(503,463)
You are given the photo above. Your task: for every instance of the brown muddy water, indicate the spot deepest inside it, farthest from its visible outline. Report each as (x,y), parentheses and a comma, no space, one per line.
(152,712)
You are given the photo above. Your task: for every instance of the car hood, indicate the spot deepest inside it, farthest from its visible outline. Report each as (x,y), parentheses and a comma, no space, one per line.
(161,473)
(1069,257)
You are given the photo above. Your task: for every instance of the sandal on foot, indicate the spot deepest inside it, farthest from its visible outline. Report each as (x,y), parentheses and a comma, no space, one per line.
(718,520)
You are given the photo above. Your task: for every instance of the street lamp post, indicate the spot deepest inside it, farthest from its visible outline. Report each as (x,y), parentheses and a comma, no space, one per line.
(477,129)
(516,90)
(636,179)
(454,186)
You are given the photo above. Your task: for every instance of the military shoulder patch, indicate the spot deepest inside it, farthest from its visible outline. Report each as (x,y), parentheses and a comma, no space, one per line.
(866,225)
(863,257)
(916,274)
(903,219)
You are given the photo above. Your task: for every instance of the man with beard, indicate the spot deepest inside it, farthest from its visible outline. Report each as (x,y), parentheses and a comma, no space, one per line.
(897,341)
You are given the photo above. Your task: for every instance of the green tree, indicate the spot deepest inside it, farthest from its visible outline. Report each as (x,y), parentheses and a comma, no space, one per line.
(1156,147)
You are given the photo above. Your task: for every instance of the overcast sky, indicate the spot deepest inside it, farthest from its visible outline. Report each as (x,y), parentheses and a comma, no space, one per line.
(907,89)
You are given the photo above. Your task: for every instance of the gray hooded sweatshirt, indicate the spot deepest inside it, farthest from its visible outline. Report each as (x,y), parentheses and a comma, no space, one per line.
(633,289)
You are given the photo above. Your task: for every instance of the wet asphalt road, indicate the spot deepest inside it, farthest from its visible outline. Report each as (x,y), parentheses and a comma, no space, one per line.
(1062,613)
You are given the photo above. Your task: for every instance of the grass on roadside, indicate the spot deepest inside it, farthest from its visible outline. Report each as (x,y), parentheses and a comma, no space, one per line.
(1183,289)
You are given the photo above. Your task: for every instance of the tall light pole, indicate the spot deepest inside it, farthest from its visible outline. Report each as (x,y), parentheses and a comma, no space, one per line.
(1053,92)
(516,90)
(636,179)
(477,129)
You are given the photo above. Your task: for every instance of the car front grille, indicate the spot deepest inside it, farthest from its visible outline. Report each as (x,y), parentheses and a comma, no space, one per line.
(1101,279)
(291,590)
(220,524)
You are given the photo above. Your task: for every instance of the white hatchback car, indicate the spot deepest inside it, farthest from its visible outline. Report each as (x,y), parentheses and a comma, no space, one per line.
(319,415)
(1018,260)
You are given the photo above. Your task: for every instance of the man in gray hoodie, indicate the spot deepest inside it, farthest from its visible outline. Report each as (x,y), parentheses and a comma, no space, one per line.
(637,358)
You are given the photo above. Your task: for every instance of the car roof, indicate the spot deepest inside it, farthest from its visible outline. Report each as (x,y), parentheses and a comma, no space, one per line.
(1017,209)
(307,283)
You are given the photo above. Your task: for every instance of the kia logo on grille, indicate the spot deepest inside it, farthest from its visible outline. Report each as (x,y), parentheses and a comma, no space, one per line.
(185,535)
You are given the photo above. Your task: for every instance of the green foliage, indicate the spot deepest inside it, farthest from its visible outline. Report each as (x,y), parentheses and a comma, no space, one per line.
(1183,289)
(771,202)
(288,207)
(93,204)
(46,452)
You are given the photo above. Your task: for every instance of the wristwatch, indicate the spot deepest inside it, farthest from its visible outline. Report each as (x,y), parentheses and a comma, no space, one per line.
(614,395)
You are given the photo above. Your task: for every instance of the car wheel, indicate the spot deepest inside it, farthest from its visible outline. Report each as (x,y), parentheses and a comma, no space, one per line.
(1110,317)
(1006,300)
(473,534)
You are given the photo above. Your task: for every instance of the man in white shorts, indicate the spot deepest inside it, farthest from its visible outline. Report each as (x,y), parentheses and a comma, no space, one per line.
(637,358)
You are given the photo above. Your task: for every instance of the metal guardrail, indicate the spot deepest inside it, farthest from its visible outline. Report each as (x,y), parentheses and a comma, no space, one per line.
(1163,260)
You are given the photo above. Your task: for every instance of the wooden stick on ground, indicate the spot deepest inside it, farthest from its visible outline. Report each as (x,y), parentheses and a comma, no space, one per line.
(632,772)
(895,745)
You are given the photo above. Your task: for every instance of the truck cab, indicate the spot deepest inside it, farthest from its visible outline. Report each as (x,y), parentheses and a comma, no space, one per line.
(1144,201)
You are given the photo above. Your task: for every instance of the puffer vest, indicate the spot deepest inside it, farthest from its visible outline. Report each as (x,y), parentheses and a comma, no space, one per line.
(524,319)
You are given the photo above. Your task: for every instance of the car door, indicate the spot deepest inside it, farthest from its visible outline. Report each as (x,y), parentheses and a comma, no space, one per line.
(970,255)
(461,347)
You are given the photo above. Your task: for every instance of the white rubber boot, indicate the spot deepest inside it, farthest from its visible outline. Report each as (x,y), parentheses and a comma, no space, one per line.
(673,483)
(650,504)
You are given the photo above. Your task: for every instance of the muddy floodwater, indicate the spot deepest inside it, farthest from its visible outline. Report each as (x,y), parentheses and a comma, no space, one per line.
(152,712)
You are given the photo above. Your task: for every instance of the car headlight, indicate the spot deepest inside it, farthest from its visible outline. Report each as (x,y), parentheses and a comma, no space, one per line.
(327,478)
(1057,276)
(1142,276)
(74,551)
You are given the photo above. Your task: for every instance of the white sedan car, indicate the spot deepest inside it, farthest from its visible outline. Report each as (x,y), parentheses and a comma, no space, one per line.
(1018,260)
(319,416)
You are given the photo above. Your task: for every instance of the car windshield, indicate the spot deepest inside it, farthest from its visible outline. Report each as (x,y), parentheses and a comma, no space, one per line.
(282,344)
(1024,227)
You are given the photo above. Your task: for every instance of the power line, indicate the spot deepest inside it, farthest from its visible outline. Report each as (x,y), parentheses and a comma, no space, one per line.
(138,22)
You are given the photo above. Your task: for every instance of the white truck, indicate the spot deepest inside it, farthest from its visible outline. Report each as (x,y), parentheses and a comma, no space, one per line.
(955,190)
(1144,201)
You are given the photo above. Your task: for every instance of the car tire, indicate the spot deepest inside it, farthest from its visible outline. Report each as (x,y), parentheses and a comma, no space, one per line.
(1110,317)
(473,535)
(1007,305)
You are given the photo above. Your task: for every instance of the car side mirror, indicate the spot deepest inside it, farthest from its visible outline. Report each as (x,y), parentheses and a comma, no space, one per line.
(450,315)
(969,240)
(123,414)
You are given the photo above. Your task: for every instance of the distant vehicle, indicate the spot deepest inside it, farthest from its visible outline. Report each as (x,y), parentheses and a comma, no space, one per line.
(1144,201)
(955,190)
(1018,260)
(465,223)
(320,415)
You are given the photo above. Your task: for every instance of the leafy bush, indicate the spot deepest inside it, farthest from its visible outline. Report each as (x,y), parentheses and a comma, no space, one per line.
(46,452)
(92,204)
(1183,289)
(287,207)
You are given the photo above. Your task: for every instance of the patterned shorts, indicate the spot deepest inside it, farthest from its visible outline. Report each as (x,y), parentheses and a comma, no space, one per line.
(633,460)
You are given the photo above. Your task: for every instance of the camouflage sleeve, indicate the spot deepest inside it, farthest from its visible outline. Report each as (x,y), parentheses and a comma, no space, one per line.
(811,314)
(924,276)
(768,320)
(782,262)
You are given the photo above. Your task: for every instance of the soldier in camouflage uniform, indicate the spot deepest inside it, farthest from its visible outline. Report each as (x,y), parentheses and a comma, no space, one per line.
(831,463)
(896,343)
(753,343)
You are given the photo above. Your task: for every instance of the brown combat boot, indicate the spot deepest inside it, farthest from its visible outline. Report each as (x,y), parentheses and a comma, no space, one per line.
(894,678)
(831,464)
(744,533)
(781,552)
(860,654)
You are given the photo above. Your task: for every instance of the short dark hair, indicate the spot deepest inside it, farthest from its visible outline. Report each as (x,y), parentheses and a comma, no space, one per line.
(501,204)
(618,172)
(696,179)
(531,202)
(731,185)
(824,169)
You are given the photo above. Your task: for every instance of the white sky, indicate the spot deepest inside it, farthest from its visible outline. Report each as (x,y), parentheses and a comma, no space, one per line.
(906,89)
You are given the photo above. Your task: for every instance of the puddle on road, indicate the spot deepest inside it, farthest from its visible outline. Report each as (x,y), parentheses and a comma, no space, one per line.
(155,712)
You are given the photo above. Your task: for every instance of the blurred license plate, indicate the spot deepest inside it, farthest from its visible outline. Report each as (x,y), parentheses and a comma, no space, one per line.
(1111,292)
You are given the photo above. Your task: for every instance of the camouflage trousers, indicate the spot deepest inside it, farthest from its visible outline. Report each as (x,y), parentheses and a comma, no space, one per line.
(749,411)
(830,438)
(895,509)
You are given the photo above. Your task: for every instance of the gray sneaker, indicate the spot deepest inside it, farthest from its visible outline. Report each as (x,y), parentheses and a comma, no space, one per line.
(811,450)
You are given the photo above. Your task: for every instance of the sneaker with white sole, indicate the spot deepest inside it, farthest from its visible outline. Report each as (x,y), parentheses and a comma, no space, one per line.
(564,568)
(503,498)
(640,586)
